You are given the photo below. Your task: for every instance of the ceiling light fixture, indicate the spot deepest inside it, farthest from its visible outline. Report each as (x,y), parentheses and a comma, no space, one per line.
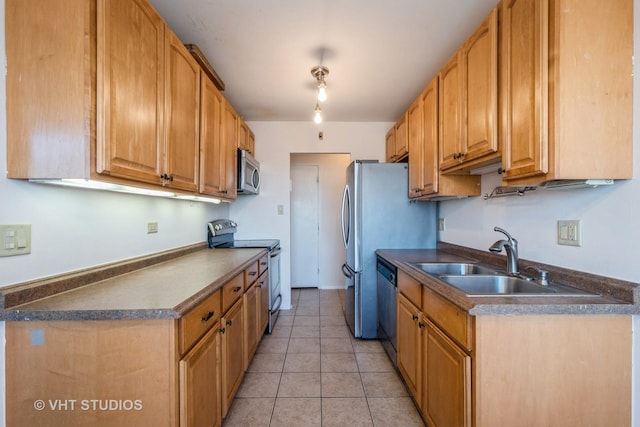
(317,117)
(319,72)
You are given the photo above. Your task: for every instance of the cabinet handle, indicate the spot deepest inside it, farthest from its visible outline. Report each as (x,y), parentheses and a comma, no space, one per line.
(501,171)
(224,191)
(229,322)
(223,330)
(208,316)
(166,177)
(253,273)
(421,325)
(415,317)
(237,289)
(263,263)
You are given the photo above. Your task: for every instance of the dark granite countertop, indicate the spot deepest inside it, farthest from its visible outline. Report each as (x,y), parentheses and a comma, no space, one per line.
(612,296)
(158,288)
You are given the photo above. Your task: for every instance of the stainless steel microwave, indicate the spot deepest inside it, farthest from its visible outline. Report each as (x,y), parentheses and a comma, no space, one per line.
(248,173)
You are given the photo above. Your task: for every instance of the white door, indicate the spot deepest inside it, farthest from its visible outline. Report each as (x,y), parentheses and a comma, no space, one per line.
(305,225)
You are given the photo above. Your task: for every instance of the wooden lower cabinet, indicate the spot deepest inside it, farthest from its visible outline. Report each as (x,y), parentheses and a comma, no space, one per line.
(250,309)
(409,351)
(232,329)
(200,383)
(157,372)
(521,370)
(446,379)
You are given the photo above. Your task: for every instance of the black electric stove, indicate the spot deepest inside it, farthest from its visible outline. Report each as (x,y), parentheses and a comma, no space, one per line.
(221,236)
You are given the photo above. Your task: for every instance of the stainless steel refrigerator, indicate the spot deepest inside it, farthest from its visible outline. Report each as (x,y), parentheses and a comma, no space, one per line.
(377,214)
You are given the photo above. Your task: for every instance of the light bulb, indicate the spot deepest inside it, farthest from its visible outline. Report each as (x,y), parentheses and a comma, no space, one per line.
(317,116)
(322,92)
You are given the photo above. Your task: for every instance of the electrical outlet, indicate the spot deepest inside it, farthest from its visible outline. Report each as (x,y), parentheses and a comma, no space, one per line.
(152,227)
(440,224)
(570,232)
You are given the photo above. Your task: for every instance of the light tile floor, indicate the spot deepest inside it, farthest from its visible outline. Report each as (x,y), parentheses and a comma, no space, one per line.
(311,372)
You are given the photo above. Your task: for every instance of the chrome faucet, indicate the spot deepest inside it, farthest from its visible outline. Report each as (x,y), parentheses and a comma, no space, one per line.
(511,248)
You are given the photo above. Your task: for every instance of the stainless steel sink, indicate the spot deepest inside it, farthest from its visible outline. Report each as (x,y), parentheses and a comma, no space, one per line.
(453,268)
(499,285)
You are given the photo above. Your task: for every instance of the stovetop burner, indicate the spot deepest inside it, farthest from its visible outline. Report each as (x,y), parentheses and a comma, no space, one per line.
(221,235)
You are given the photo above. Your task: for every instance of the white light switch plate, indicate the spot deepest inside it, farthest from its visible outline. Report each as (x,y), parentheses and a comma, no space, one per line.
(15,239)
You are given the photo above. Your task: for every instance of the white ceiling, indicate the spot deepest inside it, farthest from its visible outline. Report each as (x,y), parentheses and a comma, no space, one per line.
(380,53)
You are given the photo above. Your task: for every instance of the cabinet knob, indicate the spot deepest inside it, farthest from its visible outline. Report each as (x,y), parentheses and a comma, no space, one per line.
(415,317)
(223,330)
(166,177)
(501,171)
(237,289)
(421,325)
(208,316)
(253,273)
(229,322)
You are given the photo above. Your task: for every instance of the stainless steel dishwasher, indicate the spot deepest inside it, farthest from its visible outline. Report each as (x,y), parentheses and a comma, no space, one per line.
(387,309)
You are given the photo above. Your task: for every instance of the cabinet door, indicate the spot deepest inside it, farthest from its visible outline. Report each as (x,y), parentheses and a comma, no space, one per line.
(263,303)
(212,153)
(409,348)
(524,87)
(390,144)
(430,170)
(243,135)
(416,146)
(449,105)
(250,308)
(446,397)
(230,141)
(251,142)
(401,138)
(232,327)
(130,90)
(200,383)
(182,114)
(480,90)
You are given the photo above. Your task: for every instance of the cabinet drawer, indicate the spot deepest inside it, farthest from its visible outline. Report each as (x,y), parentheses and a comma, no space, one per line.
(250,274)
(232,291)
(410,288)
(197,322)
(453,320)
(263,264)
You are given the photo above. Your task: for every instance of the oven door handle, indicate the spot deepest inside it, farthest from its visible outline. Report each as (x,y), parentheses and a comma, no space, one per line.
(277,305)
(275,253)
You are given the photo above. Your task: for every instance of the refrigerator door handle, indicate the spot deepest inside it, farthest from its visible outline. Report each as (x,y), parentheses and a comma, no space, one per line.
(346,204)
(348,271)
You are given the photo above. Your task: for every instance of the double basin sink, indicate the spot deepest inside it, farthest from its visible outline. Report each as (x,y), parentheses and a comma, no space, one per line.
(479,280)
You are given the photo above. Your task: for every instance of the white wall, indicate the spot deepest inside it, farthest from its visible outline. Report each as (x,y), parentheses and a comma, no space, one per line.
(332,177)
(257,216)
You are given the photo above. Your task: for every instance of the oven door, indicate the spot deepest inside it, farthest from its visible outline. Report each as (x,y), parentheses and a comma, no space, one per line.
(248,173)
(275,297)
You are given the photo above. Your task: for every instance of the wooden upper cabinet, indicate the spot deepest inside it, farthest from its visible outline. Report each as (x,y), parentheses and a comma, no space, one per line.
(182,116)
(230,141)
(479,58)
(130,90)
(566,90)
(450,93)
(525,85)
(427,156)
(401,139)
(246,138)
(390,144)
(416,145)
(469,101)
(212,148)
